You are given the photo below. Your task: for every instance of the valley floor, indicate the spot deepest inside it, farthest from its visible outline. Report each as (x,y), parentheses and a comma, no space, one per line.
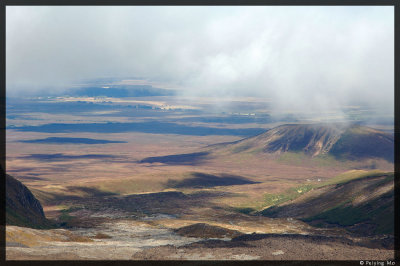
(103,230)
(127,240)
(153,184)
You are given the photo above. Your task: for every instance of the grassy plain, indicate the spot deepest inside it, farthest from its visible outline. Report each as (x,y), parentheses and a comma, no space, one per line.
(86,185)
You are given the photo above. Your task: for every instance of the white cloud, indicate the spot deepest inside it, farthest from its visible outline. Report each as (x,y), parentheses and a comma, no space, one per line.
(303,57)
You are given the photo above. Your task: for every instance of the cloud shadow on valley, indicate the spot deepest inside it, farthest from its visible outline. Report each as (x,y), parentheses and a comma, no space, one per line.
(57,157)
(178,159)
(153,127)
(202,180)
(59,140)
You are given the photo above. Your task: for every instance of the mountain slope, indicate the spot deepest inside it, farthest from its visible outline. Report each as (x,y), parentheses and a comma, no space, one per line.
(22,208)
(364,204)
(341,141)
(362,142)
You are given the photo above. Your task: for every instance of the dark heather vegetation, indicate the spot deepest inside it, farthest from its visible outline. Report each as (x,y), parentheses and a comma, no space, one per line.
(339,140)
(201,180)
(206,231)
(22,208)
(179,159)
(360,142)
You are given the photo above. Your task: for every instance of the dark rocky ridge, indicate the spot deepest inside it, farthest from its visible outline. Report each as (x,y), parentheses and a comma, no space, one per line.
(22,208)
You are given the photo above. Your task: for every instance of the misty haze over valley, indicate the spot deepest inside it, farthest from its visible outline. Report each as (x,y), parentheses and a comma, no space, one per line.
(200,133)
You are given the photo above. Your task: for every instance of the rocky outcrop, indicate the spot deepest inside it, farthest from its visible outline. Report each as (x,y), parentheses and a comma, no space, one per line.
(204,230)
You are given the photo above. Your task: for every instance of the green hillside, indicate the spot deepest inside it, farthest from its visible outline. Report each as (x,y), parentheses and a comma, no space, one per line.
(361,202)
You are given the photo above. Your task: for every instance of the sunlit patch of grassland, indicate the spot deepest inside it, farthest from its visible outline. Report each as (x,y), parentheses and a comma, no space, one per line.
(129,186)
(33,237)
(245,197)
(290,194)
(294,192)
(26,237)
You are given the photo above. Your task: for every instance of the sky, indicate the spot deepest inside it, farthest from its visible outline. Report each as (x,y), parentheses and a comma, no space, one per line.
(300,57)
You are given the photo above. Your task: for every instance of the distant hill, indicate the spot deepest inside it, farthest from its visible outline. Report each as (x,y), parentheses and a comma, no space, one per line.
(22,208)
(341,141)
(121,91)
(357,203)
